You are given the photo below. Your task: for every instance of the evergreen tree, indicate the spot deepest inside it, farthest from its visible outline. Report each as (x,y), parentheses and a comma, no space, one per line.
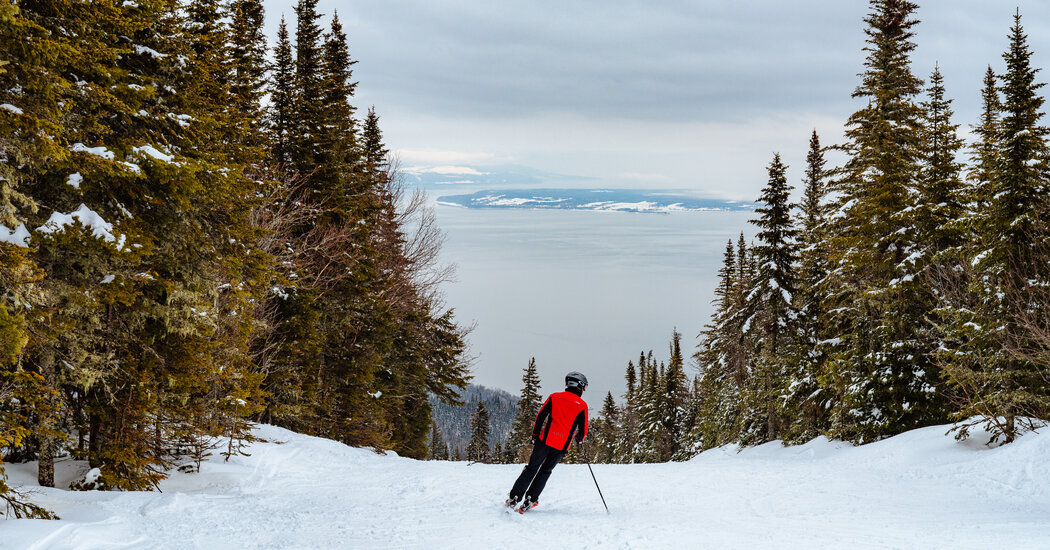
(309,115)
(132,308)
(993,368)
(20,391)
(336,322)
(248,65)
(652,434)
(437,444)
(941,226)
(627,431)
(941,200)
(375,152)
(984,153)
(338,150)
(605,430)
(478,448)
(768,306)
(804,405)
(427,343)
(138,319)
(675,400)
(879,373)
(691,437)
(283,99)
(497,454)
(529,403)
(724,355)
(29,137)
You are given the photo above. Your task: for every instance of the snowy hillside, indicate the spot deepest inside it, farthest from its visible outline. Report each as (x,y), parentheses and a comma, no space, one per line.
(453,422)
(918,490)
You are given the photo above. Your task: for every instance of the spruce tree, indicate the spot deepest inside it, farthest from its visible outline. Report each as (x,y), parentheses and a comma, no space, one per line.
(309,115)
(880,375)
(129,316)
(248,68)
(691,437)
(652,431)
(478,447)
(436,443)
(337,89)
(984,153)
(529,403)
(770,313)
(725,353)
(497,454)
(605,430)
(804,405)
(941,200)
(283,99)
(675,400)
(627,431)
(29,138)
(993,368)
(129,301)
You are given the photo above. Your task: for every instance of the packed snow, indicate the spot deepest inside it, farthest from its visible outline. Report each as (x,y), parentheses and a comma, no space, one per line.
(921,489)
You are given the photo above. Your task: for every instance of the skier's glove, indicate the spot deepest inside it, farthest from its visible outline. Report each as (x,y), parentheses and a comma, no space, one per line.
(535,440)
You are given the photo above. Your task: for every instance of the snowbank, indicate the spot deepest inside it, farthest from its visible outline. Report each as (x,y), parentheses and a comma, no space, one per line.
(918,490)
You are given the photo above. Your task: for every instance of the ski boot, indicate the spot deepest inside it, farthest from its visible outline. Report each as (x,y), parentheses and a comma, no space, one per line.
(527,505)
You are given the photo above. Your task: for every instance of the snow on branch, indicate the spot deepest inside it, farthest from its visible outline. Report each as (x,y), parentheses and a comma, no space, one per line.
(100,228)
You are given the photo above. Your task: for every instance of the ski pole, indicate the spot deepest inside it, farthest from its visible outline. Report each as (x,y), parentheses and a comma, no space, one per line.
(588,460)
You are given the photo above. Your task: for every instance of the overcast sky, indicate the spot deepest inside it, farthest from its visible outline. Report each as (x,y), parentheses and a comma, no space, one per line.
(675,95)
(694,95)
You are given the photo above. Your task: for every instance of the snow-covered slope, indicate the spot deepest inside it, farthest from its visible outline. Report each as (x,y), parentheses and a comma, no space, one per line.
(918,490)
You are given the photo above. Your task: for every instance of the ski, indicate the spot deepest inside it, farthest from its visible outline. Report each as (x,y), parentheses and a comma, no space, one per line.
(519,507)
(526,506)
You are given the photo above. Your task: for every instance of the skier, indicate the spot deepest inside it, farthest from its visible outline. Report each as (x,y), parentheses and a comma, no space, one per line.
(561,418)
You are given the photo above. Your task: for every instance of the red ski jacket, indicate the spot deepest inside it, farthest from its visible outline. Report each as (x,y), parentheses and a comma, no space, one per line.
(561,417)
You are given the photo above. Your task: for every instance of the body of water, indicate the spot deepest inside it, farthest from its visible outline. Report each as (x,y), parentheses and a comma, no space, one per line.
(582,291)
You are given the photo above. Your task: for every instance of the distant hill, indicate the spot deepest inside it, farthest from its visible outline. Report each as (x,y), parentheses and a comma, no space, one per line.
(454,422)
(622,200)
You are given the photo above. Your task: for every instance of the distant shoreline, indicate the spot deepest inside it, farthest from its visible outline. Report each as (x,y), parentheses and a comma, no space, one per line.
(595,200)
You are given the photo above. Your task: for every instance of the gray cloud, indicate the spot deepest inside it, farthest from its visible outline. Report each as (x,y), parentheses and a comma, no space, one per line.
(693,61)
(692,95)
(701,93)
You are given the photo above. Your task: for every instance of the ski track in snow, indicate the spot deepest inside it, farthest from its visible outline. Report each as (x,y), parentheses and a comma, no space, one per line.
(921,489)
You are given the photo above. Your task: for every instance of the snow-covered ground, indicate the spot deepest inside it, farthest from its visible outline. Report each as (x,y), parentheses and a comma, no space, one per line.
(921,489)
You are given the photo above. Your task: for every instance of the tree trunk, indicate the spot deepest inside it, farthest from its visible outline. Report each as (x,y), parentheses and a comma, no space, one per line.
(45,474)
(94,440)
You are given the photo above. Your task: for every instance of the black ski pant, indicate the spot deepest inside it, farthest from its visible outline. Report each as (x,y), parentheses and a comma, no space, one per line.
(541,464)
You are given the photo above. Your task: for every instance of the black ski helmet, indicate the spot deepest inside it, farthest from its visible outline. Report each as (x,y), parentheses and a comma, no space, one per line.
(576,380)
